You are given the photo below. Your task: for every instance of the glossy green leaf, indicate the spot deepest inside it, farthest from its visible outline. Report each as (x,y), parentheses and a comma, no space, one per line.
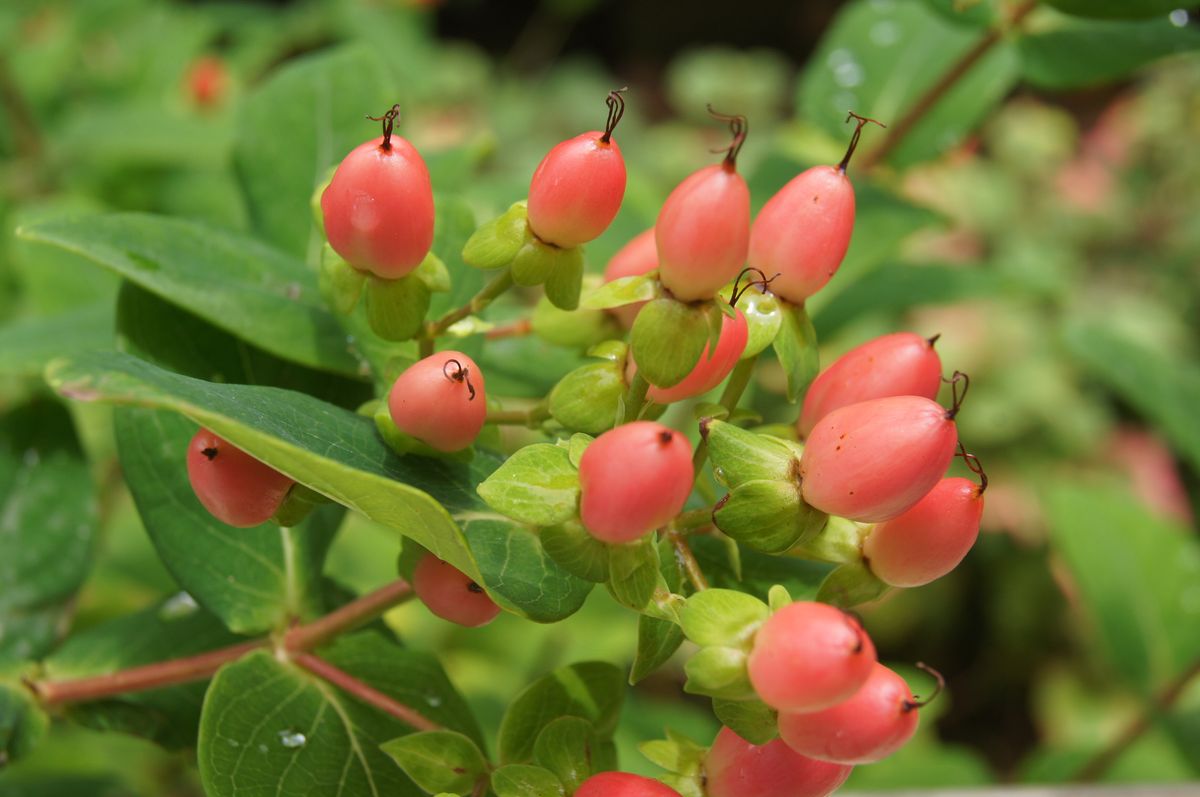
(438,761)
(590,690)
(567,747)
(524,780)
(339,454)
(752,720)
(536,485)
(722,617)
(796,348)
(233,282)
(623,291)
(302,120)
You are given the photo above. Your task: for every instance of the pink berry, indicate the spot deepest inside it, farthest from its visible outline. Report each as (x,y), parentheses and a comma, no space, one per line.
(440,401)
(451,594)
(634,479)
(577,189)
(869,726)
(623,784)
(900,364)
(929,540)
(736,768)
(809,656)
(872,460)
(639,256)
(234,486)
(378,208)
(713,366)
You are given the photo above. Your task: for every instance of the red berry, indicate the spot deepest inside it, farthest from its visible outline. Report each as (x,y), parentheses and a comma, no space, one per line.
(929,540)
(451,594)
(900,364)
(869,726)
(713,366)
(703,232)
(378,208)
(234,486)
(639,256)
(634,479)
(440,401)
(623,784)
(736,768)
(809,656)
(872,460)
(206,81)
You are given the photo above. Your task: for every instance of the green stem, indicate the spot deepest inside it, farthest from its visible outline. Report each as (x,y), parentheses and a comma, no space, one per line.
(687,560)
(530,417)
(424,347)
(693,519)
(487,294)
(635,397)
(734,388)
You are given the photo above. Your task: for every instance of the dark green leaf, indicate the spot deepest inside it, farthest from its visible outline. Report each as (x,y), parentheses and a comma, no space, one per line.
(28,344)
(438,761)
(590,690)
(23,723)
(536,485)
(656,643)
(567,747)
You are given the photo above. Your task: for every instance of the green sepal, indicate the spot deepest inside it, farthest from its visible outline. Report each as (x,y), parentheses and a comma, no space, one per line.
(764,318)
(719,672)
(677,754)
(623,291)
(708,411)
(850,585)
(565,281)
(314,200)
(753,720)
(796,348)
(396,308)
(299,502)
(668,338)
(403,443)
(613,350)
(496,243)
(568,747)
(524,780)
(633,572)
(723,617)
(768,515)
(576,551)
(438,761)
(778,597)
(587,399)
(839,542)
(576,446)
(534,262)
(433,272)
(742,456)
(579,328)
(341,283)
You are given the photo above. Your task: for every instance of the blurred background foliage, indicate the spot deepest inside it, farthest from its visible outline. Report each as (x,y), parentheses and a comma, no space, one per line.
(1041,217)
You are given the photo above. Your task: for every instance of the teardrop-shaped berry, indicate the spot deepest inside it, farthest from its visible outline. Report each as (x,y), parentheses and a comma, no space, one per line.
(929,540)
(577,190)
(440,401)
(639,256)
(735,768)
(900,364)
(235,487)
(634,479)
(872,460)
(451,594)
(808,656)
(713,367)
(867,727)
(378,208)
(623,784)
(703,232)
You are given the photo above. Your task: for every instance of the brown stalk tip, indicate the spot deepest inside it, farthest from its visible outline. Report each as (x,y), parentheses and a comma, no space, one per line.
(957,395)
(616,110)
(915,703)
(389,120)
(975,466)
(933,340)
(739,127)
(861,121)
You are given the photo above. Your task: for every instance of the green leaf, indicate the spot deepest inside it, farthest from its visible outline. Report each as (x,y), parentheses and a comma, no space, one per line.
(718,672)
(796,348)
(23,723)
(676,753)
(753,720)
(271,726)
(587,398)
(759,572)
(566,747)
(866,62)
(48,523)
(522,780)
(27,345)
(623,291)
(976,13)
(657,642)
(744,456)
(536,485)
(1116,9)
(590,690)
(722,617)
(174,628)
(667,340)
(849,585)
(633,572)
(576,551)
(496,243)
(297,124)
(233,282)
(396,308)
(438,761)
(339,454)
(768,516)
(254,579)
(1076,52)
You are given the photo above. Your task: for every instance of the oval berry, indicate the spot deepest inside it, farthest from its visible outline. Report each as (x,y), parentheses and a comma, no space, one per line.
(712,368)
(703,232)
(929,540)
(378,208)
(234,486)
(639,256)
(634,479)
(451,594)
(577,190)
(808,656)
(872,460)
(440,401)
(900,364)
(623,784)
(873,723)
(735,768)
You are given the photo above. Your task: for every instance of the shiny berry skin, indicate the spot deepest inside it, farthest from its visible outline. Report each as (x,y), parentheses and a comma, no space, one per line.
(451,594)
(873,723)
(634,479)
(873,460)
(234,486)
(900,364)
(802,233)
(736,768)
(808,656)
(639,256)
(712,368)
(703,232)
(440,401)
(577,190)
(929,540)
(623,784)
(378,208)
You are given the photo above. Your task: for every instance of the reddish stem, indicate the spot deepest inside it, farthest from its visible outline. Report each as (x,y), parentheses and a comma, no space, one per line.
(356,688)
